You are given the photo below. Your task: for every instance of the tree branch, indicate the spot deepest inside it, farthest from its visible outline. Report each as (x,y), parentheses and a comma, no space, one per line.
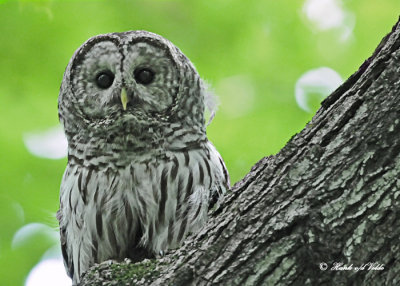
(331,195)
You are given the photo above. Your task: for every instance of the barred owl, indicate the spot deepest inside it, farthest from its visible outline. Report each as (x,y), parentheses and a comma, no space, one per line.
(141,173)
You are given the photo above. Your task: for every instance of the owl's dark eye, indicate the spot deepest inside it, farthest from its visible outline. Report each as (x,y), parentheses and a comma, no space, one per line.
(144,76)
(104,79)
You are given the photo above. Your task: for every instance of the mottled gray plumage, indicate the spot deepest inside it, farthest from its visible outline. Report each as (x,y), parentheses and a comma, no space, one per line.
(141,172)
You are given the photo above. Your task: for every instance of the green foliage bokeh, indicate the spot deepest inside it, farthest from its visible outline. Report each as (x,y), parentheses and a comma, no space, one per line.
(259,47)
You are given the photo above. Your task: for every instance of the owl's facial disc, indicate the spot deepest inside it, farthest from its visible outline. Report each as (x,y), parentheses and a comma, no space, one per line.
(151,77)
(127,79)
(97,80)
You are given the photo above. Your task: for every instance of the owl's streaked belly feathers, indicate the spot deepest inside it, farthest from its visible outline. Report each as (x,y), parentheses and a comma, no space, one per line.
(136,210)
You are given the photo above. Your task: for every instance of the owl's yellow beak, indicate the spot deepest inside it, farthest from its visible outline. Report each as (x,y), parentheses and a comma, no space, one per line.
(124,98)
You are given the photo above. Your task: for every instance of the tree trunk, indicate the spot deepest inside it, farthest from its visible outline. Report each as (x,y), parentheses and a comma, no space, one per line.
(328,201)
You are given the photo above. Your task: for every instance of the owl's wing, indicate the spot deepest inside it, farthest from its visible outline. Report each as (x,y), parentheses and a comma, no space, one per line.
(68,263)
(221,176)
(225,175)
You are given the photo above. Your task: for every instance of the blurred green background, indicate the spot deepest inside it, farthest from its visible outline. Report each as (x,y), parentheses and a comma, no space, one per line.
(251,52)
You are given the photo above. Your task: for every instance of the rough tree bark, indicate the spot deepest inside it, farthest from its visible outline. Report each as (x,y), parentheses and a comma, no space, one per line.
(331,195)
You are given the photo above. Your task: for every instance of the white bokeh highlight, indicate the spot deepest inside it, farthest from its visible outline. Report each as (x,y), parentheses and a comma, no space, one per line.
(50,144)
(25,233)
(325,14)
(48,272)
(318,82)
(330,14)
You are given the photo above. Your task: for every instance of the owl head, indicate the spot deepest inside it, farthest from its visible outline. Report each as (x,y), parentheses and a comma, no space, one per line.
(134,85)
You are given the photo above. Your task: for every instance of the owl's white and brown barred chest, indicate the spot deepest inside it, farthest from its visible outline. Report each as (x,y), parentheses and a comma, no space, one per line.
(141,172)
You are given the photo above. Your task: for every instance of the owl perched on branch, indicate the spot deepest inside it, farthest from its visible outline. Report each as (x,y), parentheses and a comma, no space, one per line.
(141,172)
